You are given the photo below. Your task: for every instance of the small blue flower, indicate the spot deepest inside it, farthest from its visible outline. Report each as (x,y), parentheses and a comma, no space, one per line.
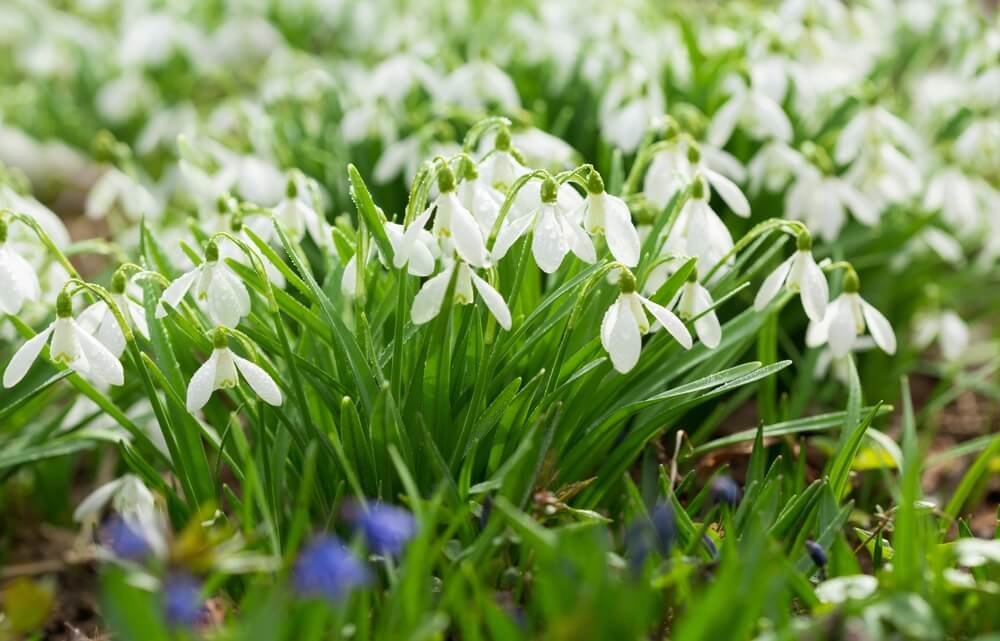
(643,536)
(725,490)
(124,540)
(664,527)
(387,528)
(816,553)
(326,569)
(182,602)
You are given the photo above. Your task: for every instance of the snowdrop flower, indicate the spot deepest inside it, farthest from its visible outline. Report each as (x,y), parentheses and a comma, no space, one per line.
(845,320)
(693,301)
(885,176)
(18,280)
(222,371)
(609,215)
(557,231)
(822,202)
(297,216)
(428,301)
(870,128)
(840,367)
(454,224)
(672,170)
(801,274)
(502,166)
(958,197)
(625,322)
(117,189)
(71,345)
(979,144)
(698,231)
(947,327)
(476,85)
(628,107)
(225,296)
(133,503)
(479,197)
(413,247)
(751,108)
(98,319)
(774,166)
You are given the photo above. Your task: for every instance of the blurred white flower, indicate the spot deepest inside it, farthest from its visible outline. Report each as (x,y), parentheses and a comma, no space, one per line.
(752,109)
(18,280)
(822,202)
(699,232)
(477,85)
(694,301)
(629,105)
(870,128)
(947,327)
(774,166)
(133,502)
(116,190)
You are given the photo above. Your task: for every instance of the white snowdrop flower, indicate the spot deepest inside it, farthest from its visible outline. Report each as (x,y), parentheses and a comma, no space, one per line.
(774,166)
(116,189)
(296,215)
(501,167)
(845,320)
(609,215)
(557,231)
(951,332)
(750,108)
(71,345)
(693,301)
(50,223)
(799,273)
(215,285)
(454,225)
(958,198)
(125,97)
(137,506)
(840,367)
(542,149)
(822,202)
(885,176)
(413,247)
(479,197)
(674,169)
(669,173)
(625,322)
(98,319)
(871,127)
(18,280)
(404,156)
(979,145)
(699,232)
(477,85)
(630,104)
(222,370)
(428,301)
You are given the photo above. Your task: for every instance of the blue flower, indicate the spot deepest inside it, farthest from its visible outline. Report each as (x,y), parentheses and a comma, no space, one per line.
(725,490)
(326,569)
(387,528)
(124,541)
(182,602)
(658,532)
(816,553)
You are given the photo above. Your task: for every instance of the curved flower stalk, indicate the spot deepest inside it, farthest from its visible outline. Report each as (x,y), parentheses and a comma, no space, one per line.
(799,273)
(609,215)
(694,301)
(18,280)
(72,345)
(557,231)
(222,370)
(225,297)
(845,320)
(99,320)
(750,107)
(625,322)
(428,301)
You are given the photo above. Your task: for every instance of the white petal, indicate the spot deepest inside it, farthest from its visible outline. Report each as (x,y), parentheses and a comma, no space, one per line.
(623,239)
(772,118)
(669,321)
(102,362)
(258,380)
(620,336)
(403,248)
(730,193)
(580,242)
(427,302)
(202,384)
(724,121)
(879,328)
(549,246)
(92,315)
(494,301)
(96,500)
(466,235)
(24,357)
(849,142)
(223,302)
(173,294)
(511,229)
(109,334)
(954,338)
(843,330)
(813,290)
(349,279)
(137,314)
(772,284)
(858,203)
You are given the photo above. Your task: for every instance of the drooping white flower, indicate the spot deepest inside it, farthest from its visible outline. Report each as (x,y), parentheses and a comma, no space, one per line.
(296,215)
(801,274)
(673,169)
(134,503)
(630,104)
(751,108)
(225,297)
(822,202)
(476,85)
(958,197)
(100,321)
(947,327)
(18,280)
(428,301)
(479,197)
(694,301)
(625,322)
(222,371)
(871,127)
(454,225)
(116,189)
(839,367)
(609,215)
(845,320)
(71,345)
(885,176)
(699,232)
(502,167)
(557,230)
(773,167)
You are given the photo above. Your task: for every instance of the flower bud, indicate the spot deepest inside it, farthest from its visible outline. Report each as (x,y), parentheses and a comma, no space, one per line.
(725,490)
(816,553)
(118,282)
(502,141)
(211,252)
(549,190)
(446,178)
(291,189)
(219,340)
(698,188)
(3,231)
(626,281)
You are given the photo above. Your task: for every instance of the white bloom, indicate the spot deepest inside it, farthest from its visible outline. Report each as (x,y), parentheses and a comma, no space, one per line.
(628,107)
(413,247)
(456,228)
(801,274)
(501,168)
(427,303)
(846,588)
(71,345)
(979,145)
(845,320)
(18,280)
(699,232)
(672,170)
(840,366)
(482,200)
(693,301)
(225,296)
(117,189)
(221,371)
(133,502)
(609,215)
(557,230)
(947,327)
(774,166)
(751,108)
(870,128)
(98,319)
(625,322)
(822,203)
(476,85)
(296,215)
(885,176)
(958,197)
